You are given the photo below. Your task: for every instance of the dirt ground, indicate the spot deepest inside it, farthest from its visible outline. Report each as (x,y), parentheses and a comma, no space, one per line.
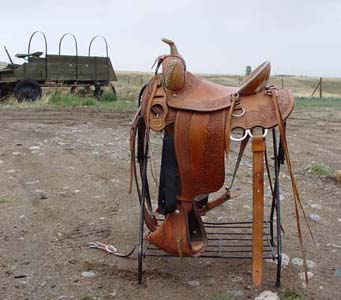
(64,184)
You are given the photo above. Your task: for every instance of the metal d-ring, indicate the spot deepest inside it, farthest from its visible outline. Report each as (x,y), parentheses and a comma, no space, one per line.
(246,132)
(264,134)
(241,114)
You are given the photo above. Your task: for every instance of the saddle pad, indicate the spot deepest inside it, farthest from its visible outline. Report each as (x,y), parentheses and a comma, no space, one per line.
(199,148)
(200,95)
(260,111)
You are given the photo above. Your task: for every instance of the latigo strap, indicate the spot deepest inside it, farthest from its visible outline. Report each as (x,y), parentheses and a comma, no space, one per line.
(258,149)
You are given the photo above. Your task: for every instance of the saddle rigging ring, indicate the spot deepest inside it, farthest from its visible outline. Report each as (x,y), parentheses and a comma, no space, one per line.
(247,132)
(241,114)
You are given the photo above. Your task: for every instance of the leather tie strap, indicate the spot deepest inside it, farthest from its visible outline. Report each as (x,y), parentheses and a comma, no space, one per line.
(242,147)
(133,132)
(228,127)
(297,200)
(258,149)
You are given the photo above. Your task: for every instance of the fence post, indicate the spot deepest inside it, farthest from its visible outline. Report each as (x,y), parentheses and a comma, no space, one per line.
(320,87)
(282,81)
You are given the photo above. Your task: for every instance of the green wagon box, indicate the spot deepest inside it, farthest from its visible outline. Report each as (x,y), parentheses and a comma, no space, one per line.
(56,70)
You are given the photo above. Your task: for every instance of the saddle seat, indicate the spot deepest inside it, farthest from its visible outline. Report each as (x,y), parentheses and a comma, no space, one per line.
(202,95)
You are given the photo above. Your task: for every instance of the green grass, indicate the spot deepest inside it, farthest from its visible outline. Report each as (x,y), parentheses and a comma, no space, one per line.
(108,97)
(309,102)
(220,297)
(290,295)
(56,99)
(107,102)
(321,169)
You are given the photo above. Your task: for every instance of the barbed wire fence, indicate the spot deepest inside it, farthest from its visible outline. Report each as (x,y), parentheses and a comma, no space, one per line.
(129,84)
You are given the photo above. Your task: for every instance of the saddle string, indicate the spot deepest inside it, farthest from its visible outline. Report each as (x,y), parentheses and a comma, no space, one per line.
(140,130)
(287,158)
(144,160)
(147,136)
(111,249)
(242,148)
(228,128)
(268,171)
(157,63)
(149,216)
(133,131)
(297,201)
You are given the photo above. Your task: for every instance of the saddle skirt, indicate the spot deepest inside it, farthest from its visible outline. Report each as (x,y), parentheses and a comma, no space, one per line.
(200,95)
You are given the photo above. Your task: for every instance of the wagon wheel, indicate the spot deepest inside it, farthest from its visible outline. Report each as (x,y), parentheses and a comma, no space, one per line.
(27,90)
(4,92)
(73,90)
(98,91)
(112,87)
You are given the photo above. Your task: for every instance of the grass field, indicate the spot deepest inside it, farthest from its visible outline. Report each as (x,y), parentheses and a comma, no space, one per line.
(129,83)
(308,102)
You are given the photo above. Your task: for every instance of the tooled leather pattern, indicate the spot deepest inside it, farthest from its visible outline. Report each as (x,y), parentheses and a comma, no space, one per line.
(168,71)
(201,171)
(259,110)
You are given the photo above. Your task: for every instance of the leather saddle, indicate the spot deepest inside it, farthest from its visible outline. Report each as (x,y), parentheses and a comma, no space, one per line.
(198,118)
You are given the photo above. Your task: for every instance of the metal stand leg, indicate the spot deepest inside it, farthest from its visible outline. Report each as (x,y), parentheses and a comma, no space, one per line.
(142,206)
(271,220)
(140,248)
(278,209)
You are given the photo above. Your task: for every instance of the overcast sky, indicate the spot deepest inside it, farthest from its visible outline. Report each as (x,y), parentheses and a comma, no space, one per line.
(301,37)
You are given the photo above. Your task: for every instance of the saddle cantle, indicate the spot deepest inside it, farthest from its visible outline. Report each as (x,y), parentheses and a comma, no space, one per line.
(197,118)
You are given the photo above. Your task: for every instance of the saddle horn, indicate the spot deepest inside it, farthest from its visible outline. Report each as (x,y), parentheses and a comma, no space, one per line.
(173,49)
(173,68)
